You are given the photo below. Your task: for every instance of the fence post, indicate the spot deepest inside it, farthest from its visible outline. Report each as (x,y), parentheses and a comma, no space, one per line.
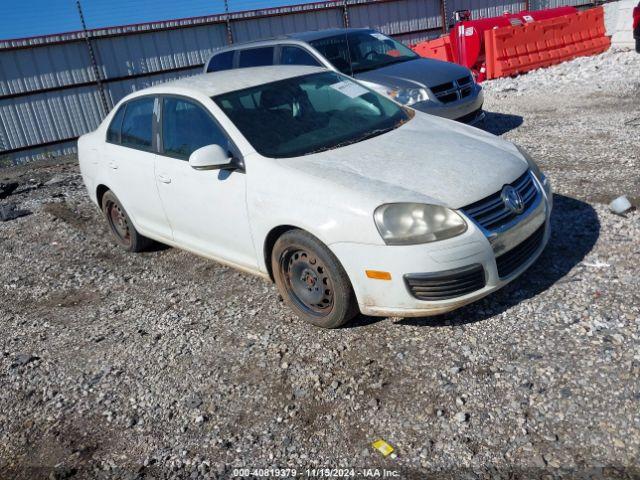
(228,23)
(92,58)
(345,14)
(443,16)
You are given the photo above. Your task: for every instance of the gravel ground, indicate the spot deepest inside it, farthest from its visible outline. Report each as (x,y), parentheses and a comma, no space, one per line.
(166,365)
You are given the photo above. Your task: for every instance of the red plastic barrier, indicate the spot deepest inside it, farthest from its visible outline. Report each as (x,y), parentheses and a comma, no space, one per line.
(518,49)
(467,38)
(440,49)
(536,15)
(465,44)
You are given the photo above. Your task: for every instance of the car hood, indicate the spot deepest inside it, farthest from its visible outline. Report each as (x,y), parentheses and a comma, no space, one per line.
(421,72)
(428,159)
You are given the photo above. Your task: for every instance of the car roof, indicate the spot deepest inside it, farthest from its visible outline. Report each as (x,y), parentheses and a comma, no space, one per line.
(304,37)
(216,83)
(312,35)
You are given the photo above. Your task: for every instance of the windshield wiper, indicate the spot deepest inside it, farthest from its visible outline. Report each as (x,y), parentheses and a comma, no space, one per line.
(366,136)
(366,69)
(401,59)
(374,133)
(383,64)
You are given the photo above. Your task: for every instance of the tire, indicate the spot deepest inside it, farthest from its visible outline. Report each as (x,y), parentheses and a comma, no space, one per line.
(311,280)
(122,229)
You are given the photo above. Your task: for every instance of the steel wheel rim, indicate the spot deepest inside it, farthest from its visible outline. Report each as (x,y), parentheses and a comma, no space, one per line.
(118,222)
(307,281)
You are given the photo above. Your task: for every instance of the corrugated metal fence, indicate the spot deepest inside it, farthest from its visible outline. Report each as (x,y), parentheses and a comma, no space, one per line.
(51,92)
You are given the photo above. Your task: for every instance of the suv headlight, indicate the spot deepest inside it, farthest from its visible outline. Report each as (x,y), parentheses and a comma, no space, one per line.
(414,223)
(408,96)
(544,181)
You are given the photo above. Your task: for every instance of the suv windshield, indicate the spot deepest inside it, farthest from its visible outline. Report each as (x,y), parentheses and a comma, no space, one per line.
(366,51)
(309,114)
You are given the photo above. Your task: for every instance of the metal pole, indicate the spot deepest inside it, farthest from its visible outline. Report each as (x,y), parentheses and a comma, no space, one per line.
(228,22)
(92,57)
(345,13)
(443,16)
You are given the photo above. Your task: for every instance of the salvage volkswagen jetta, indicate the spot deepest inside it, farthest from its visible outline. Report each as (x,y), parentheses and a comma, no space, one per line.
(348,200)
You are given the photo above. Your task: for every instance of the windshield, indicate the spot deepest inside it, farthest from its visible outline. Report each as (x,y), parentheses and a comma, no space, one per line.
(309,114)
(367,51)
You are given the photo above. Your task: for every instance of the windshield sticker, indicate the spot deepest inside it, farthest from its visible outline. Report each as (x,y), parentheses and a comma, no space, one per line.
(379,36)
(350,89)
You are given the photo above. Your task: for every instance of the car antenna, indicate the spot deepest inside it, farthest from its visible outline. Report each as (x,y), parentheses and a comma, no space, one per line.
(346,39)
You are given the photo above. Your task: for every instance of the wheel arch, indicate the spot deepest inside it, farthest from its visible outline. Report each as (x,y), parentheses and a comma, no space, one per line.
(270,241)
(101,189)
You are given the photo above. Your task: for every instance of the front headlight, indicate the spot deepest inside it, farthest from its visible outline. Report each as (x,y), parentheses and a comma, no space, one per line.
(408,96)
(544,181)
(414,223)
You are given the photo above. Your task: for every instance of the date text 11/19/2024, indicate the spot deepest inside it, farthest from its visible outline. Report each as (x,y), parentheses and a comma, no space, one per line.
(315,473)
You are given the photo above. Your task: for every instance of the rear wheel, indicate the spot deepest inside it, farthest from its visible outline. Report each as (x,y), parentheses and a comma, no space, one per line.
(311,280)
(121,226)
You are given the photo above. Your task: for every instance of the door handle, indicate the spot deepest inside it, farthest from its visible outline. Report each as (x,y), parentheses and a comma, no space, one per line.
(164,179)
(113,165)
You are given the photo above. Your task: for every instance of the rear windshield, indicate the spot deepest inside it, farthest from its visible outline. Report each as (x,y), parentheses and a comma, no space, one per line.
(308,114)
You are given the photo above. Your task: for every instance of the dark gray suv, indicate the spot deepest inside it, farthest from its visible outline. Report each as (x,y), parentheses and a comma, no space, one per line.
(379,62)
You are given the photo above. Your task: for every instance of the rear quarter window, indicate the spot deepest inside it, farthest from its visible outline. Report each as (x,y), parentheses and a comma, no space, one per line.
(113,132)
(221,61)
(256,57)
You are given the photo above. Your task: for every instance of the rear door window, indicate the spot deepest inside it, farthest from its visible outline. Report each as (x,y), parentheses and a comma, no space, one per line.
(291,55)
(137,125)
(221,61)
(256,57)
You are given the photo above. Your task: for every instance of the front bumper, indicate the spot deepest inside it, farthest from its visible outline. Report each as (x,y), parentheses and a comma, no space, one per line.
(395,298)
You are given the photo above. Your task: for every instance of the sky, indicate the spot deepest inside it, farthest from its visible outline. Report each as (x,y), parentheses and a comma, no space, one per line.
(29,18)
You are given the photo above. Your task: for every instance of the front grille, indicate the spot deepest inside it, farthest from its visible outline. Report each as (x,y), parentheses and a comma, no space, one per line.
(446,284)
(448,97)
(451,91)
(510,261)
(465,85)
(491,212)
(443,87)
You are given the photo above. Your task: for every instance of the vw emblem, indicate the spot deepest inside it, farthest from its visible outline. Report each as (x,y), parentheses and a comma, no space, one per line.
(512,199)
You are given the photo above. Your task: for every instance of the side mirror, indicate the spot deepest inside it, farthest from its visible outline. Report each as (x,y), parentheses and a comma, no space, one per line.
(211,157)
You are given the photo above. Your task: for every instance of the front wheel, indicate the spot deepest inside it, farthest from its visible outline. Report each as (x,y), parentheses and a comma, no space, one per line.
(311,280)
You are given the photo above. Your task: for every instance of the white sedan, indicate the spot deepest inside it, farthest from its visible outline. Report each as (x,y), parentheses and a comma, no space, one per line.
(349,201)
